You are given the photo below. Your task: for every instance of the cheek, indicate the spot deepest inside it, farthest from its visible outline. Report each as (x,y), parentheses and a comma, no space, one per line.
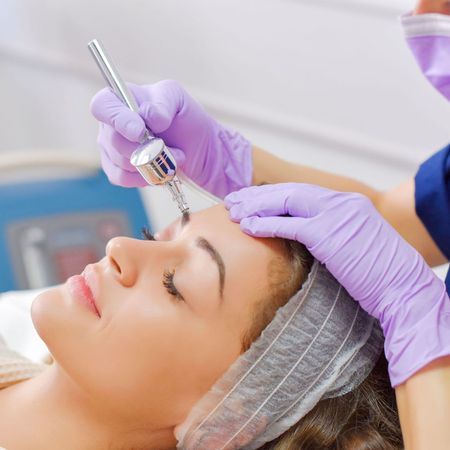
(166,341)
(163,357)
(58,319)
(153,354)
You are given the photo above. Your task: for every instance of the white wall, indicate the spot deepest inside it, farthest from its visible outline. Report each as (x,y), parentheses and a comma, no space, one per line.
(325,82)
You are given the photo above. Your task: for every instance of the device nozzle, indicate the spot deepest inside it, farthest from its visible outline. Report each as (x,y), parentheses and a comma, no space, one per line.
(174,187)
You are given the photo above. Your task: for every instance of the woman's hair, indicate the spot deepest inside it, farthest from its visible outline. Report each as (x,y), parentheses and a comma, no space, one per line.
(363,419)
(287,272)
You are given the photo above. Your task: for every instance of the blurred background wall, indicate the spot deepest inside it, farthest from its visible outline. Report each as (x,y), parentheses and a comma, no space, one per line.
(329,83)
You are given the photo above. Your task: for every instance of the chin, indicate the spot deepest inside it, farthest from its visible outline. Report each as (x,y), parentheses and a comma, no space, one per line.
(44,312)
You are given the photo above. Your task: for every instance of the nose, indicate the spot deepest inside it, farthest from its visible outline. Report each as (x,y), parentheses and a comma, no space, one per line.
(123,254)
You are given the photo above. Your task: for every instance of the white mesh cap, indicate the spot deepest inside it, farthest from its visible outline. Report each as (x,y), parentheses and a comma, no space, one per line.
(321,344)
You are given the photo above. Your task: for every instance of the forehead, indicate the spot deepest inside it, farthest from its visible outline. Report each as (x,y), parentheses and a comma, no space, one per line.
(214,224)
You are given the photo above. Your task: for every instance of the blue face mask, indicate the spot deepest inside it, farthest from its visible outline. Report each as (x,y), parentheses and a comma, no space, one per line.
(428,36)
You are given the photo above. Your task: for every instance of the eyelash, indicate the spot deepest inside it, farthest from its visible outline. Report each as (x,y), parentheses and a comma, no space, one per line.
(167,275)
(170,286)
(147,234)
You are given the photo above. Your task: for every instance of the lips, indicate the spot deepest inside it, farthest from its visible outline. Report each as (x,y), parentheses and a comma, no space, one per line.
(83,288)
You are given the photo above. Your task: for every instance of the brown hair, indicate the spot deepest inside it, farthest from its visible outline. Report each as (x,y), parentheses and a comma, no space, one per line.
(363,419)
(287,272)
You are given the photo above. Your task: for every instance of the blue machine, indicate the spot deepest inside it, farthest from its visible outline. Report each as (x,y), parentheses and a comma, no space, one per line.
(50,230)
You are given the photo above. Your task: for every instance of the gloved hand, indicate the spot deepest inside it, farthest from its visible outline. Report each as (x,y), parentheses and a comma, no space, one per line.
(366,255)
(216,158)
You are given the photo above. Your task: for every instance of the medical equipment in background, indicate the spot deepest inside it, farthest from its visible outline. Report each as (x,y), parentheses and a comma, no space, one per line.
(51,229)
(152,158)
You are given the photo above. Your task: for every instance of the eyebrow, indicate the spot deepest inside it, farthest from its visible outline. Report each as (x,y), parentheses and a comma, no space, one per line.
(215,255)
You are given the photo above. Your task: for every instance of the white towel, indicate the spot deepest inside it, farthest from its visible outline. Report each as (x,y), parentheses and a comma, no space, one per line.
(17,328)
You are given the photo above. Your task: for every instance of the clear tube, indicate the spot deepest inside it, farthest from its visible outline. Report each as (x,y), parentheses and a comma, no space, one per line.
(199,190)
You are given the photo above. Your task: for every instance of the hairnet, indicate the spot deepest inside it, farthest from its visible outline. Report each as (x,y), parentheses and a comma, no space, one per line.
(321,344)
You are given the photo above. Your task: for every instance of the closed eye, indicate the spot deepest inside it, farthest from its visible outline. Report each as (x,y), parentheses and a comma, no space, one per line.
(170,286)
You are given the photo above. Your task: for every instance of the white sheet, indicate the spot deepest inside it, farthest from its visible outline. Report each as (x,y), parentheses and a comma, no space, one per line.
(16,326)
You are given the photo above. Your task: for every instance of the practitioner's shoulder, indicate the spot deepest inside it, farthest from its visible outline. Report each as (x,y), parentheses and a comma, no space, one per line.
(432,193)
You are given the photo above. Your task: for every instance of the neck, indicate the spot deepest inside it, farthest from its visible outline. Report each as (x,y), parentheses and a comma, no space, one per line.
(50,412)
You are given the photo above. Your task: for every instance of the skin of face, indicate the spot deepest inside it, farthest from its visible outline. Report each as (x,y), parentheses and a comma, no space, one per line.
(150,356)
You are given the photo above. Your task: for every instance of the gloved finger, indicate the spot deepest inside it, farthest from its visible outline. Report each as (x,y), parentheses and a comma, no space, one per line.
(118,148)
(263,204)
(298,200)
(118,160)
(293,228)
(251,191)
(179,156)
(108,109)
(120,177)
(140,94)
(308,192)
(165,100)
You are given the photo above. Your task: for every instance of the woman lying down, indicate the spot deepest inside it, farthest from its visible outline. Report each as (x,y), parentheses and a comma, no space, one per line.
(205,338)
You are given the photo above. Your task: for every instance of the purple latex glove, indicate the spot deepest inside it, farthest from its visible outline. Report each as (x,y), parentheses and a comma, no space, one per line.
(366,255)
(428,36)
(216,158)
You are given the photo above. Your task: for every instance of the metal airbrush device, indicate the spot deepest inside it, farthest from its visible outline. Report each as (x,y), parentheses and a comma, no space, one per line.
(152,158)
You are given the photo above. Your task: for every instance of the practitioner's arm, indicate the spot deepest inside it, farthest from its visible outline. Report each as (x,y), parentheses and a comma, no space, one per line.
(432,7)
(397,205)
(424,407)
(268,168)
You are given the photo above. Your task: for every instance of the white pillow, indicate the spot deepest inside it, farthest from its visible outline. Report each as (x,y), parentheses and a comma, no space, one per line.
(16,326)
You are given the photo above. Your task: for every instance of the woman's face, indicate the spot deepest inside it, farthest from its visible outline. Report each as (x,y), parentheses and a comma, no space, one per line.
(172,314)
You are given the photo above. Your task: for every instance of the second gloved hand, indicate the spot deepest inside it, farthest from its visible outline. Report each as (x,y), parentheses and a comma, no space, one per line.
(389,279)
(216,158)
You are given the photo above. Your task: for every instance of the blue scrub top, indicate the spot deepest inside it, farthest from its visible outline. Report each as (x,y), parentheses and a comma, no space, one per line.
(433,200)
